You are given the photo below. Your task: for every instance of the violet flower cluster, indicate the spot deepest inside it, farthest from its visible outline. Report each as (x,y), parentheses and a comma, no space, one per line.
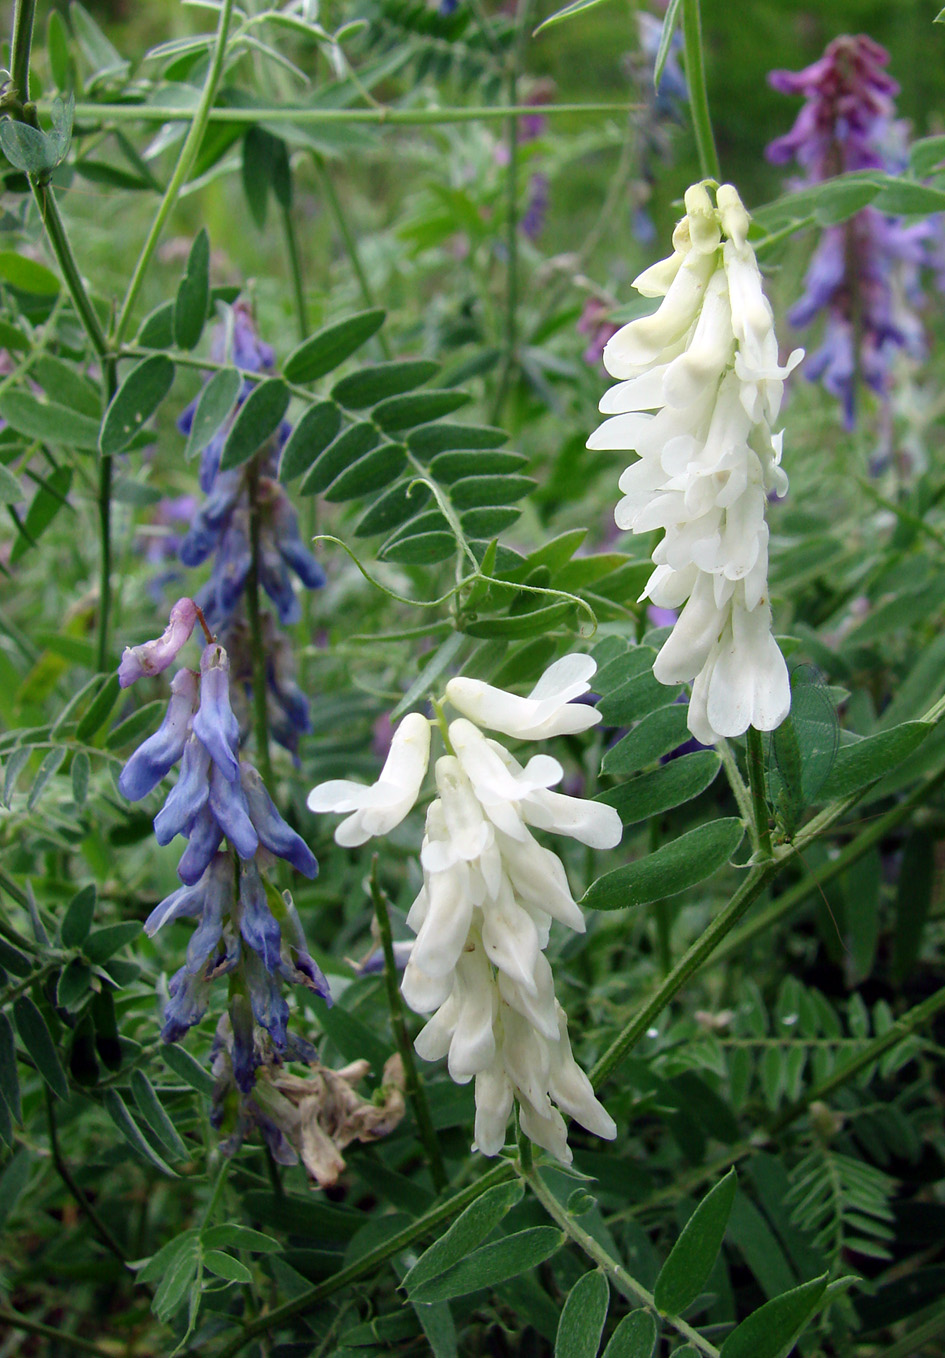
(864,275)
(221,530)
(245,930)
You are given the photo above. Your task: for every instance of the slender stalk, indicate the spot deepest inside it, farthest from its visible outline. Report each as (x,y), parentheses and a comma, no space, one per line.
(415,1090)
(698,98)
(295,269)
(369,1263)
(685,968)
(20,45)
(905,1025)
(25,983)
(98,114)
(759,800)
(182,169)
(735,780)
(849,854)
(65,1174)
(611,1267)
(254,615)
(350,243)
(65,1342)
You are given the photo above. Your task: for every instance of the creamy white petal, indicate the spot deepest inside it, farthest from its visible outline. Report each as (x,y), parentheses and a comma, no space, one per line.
(383,805)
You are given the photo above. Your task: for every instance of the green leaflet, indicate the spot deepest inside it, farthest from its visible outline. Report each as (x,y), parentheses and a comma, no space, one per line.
(687,860)
(690,1261)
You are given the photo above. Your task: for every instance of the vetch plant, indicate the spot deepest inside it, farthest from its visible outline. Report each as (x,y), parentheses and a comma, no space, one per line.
(700,389)
(490,892)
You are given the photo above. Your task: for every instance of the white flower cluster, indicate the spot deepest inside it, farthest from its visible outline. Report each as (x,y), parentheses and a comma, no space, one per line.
(706,362)
(490,891)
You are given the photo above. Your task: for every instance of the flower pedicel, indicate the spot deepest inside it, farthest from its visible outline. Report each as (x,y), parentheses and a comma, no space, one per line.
(490,891)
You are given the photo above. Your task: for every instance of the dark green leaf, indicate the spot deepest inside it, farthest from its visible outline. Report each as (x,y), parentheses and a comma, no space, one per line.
(690,1261)
(634,699)
(310,1218)
(160,1264)
(74,984)
(371,472)
(488,523)
(350,445)
(495,1263)
(323,351)
(583,1317)
(471,491)
(770,1331)
(369,385)
(657,734)
(78,918)
(193,294)
(179,1277)
(11,959)
(98,51)
(257,153)
(28,275)
(225,1266)
(392,508)
(187,1069)
(649,794)
(81,768)
(420,549)
(454,466)
(13,1180)
(117,1110)
(539,620)
(48,421)
(145,720)
(671,869)
(45,505)
(904,197)
(152,1111)
(430,440)
(135,402)
(9,1084)
(214,406)
(105,942)
(858,764)
(310,437)
(50,765)
(258,420)
(403,412)
(469,1229)
(36,1038)
(568,12)
(240,1238)
(99,709)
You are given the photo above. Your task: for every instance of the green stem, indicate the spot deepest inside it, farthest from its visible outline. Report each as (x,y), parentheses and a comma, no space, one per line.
(182,169)
(65,1343)
(415,1090)
(295,269)
(350,243)
(698,98)
(759,800)
(20,44)
(25,983)
(905,1025)
(849,854)
(254,615)
(369,1263)
(735,780)
(684,969)
(65,1174)
(611,1267)
(97,114)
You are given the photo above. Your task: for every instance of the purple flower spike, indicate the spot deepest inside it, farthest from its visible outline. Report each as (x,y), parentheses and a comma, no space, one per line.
(273,832)
(228,807)
(205,838)
(244,1046)
(155,656)
(257,923)
(215,725)
(188,1004)
(160,752)
(269,1007)
(301,967)
(188,795)
(274,579)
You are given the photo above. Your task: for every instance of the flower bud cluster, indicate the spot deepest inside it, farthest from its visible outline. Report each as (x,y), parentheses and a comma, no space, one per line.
(245,930)
(490,892)
(222,529)
(700,387)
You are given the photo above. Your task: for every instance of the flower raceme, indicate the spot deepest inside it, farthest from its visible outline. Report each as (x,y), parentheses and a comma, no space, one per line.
(490,891)
(699,388)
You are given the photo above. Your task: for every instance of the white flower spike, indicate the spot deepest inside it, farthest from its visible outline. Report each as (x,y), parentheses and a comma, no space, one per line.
(706,365)
(490,891)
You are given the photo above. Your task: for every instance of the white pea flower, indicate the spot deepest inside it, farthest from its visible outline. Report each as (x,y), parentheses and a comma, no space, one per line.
(700,385)
(490,891)
(380,807)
